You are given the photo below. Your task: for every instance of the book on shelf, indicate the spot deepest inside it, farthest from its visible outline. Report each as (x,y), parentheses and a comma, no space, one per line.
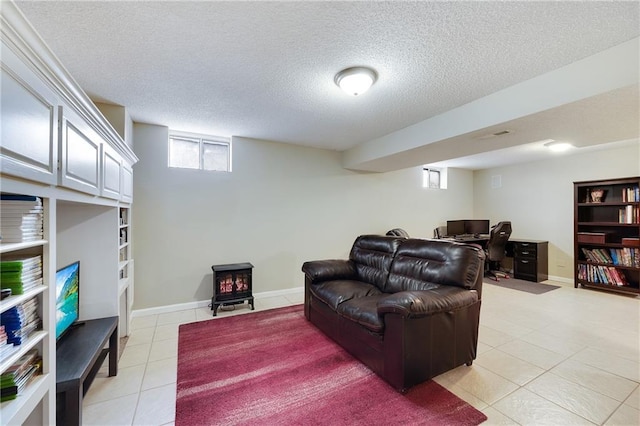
(599,274)
(21,219)
(19,375)
(629,214)
(20,321)
(630,195)
(20,198)
(16,276)
(19,262)
(18,288)
(20,273)
(626,256)
(5,347)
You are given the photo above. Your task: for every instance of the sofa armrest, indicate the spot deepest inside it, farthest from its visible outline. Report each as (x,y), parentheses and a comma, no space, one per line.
(420,303)
(327,270)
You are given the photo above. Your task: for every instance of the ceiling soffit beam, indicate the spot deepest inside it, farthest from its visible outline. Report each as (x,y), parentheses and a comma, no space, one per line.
(600,73)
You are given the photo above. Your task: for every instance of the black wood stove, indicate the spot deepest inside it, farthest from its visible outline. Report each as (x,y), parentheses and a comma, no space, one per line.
(231,285)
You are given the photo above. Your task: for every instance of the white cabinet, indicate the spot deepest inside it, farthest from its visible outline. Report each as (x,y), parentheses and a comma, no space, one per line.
(79,154)
(127,183)
(111,172)
(28,146)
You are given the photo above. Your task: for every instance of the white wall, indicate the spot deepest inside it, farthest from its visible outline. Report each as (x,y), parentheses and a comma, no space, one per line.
(89,233)
(119,117)
(281,205)
(537,197)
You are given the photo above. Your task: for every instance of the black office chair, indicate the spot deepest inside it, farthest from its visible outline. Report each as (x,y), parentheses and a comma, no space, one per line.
(496,250)
(439,232)
(398,232)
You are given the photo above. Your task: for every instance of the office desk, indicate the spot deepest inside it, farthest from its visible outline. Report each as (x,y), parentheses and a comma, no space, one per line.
(530,257)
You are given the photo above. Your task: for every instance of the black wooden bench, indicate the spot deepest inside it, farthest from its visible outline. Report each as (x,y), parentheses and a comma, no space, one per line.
(79,355)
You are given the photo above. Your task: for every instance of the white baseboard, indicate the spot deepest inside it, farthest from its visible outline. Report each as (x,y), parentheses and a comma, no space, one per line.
(560,279)
(204,303)
(264,295)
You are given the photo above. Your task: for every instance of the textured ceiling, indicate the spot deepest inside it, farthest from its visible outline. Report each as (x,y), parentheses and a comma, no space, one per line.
(265,69)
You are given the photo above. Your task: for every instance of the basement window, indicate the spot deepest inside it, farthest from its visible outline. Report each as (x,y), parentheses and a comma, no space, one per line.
(189,151)
(434,178)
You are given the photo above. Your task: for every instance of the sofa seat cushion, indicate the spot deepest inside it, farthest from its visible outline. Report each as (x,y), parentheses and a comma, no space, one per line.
(364,311)
(420,303)
(333,293)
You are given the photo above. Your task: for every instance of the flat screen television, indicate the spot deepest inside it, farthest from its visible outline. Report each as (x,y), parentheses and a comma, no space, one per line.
(67,297)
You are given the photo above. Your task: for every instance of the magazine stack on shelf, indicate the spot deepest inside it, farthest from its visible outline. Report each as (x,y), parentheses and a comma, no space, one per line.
(21,219)
(20,321)
(13,381)
(5,347)
(20,273)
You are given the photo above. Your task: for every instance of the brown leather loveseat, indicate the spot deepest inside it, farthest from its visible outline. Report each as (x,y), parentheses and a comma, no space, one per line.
(409,309)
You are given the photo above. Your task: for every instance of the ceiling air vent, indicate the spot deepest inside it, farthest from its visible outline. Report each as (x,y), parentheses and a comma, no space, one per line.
(493,135)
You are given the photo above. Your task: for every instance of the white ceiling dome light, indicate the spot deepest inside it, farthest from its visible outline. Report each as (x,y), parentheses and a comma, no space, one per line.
(356,80)
(557,146)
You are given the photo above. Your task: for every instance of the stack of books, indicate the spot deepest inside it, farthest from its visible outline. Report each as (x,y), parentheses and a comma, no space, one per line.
(21,219)
(629,214)
(602,274)
(20,321)
(5,347)
(20,273)
(14,380)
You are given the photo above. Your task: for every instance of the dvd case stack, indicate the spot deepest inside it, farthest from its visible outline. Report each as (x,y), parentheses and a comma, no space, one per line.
(20,321)
(21,218)
(14,380)
(20,273)
(5,347)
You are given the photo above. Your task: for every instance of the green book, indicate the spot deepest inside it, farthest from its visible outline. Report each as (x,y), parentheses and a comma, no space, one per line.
(13,263)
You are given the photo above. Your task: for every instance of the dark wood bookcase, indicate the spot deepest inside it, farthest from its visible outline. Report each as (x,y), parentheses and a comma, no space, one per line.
(606,234)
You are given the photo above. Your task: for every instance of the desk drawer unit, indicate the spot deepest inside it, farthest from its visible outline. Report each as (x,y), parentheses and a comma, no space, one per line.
(530,260)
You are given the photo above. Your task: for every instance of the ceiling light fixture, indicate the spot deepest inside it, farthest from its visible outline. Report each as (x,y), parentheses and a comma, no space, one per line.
(557,146)
(356,80)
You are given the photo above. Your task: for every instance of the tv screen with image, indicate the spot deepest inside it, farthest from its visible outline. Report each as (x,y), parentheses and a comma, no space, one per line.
(67,297)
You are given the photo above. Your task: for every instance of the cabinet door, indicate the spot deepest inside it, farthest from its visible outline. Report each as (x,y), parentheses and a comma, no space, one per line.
(127,183)
(525,269)
(28,146)
(79,154)
(111,173)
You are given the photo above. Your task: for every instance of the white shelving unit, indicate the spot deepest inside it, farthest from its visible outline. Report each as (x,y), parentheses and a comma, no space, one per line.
(58,146)
(41,391)
(125,270)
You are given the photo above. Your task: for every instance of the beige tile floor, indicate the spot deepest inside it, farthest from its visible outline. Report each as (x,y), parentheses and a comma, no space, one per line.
(569,356)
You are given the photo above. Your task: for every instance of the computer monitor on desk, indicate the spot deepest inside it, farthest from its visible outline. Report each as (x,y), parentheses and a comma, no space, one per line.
(476,227)
(467,227)
(455,227)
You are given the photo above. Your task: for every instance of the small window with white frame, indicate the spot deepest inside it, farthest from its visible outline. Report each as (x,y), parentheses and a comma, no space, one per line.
(200,152)
(434,178)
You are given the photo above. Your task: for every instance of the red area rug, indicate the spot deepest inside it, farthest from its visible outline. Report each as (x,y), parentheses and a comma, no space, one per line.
(275,368)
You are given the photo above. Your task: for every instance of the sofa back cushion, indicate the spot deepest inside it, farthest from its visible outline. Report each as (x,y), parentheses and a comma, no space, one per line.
(425,264)
(372,256)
